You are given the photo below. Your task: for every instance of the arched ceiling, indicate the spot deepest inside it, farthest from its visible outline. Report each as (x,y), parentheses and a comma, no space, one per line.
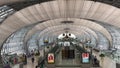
(57,30)
(79,29)
(78,22)
(60,9)
(76,33)
(53,32)
(20,4)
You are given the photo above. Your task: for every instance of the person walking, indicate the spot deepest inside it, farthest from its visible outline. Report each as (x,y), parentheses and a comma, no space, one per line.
(32,59)
(25,59)
(95,60)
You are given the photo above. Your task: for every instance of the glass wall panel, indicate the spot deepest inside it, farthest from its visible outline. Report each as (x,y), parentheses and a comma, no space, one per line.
(5,11)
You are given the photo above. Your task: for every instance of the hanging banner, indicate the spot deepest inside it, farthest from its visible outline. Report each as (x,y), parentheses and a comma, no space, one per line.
(51,58)
(85,57)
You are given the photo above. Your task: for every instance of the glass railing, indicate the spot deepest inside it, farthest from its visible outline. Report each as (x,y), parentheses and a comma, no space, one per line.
(114,56)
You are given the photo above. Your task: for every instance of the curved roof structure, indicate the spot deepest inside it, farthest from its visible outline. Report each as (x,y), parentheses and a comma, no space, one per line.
(79,29)
(26,24)
(80,11)
(76,22)
(65,9)
(20,4)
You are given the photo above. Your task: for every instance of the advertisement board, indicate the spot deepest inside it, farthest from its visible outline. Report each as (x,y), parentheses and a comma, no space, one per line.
(51,58)
(85,57)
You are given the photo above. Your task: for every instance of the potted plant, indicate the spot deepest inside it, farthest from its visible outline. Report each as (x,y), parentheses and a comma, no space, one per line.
(102,58)
(47,47)
(87,46)
(37,53)
(102,55)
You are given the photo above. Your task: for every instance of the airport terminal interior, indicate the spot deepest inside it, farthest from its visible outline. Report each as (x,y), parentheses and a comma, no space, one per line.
(59,33)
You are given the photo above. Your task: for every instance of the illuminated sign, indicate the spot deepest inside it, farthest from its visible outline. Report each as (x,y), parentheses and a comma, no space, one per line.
(51,58)
(85,57)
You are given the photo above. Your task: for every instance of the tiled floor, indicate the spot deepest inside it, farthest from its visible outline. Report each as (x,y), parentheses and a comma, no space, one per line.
(16,66)
(75,61)
(107,62)
(30,64)
(60,61)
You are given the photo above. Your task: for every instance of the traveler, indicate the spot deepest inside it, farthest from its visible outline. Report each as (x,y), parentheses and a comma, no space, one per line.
(32,59)
(95,60)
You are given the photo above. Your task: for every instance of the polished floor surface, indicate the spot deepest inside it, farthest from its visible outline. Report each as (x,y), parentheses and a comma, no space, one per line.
(28,65)
(59,63)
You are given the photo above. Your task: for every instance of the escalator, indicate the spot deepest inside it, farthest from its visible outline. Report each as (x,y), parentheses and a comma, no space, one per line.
(68,53)
(91,58)
(67,58)
(43,62)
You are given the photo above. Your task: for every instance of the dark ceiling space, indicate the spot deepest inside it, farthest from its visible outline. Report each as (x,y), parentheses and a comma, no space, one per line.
(20,5)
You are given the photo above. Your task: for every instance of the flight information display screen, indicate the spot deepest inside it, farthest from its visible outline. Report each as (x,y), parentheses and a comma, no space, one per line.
(85,57)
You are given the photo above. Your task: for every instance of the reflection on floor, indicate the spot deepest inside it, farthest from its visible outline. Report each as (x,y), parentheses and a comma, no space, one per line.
(70,63)
(30,64)
(16,66)
(62,63)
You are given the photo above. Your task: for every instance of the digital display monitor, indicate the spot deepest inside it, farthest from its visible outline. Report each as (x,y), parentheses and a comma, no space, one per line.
(85,57)
(51,58)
